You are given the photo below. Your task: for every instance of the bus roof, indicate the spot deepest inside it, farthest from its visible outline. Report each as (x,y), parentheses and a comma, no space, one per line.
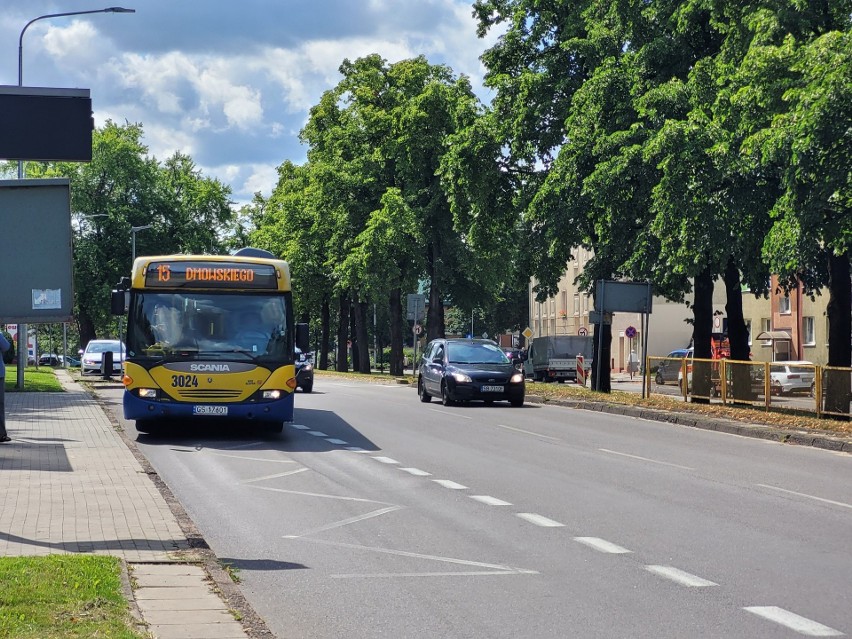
(207,272)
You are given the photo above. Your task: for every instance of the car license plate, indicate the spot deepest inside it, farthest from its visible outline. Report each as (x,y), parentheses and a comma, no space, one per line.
(492,389)
(209,410)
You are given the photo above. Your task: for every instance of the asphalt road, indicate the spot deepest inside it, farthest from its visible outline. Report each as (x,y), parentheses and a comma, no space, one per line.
(377,516)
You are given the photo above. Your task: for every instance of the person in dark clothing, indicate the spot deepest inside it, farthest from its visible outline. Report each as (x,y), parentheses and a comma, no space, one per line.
(4,346)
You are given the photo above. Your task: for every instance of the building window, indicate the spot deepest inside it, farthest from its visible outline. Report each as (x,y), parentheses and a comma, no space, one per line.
(576,304)
(784,305)
(808,332)
(764,327)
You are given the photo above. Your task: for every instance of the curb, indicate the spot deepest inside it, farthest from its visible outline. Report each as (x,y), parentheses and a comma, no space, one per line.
(719,424)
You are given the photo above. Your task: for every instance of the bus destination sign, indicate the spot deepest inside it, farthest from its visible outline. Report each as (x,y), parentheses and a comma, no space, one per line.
(234,275)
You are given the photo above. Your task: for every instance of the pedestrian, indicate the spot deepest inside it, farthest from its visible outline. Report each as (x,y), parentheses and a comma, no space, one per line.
(632,363)
(4,347)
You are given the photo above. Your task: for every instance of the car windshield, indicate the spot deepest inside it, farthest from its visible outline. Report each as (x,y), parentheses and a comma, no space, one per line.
(103,347)
(473,353)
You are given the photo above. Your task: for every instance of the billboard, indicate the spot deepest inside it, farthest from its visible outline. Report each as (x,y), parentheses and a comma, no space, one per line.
(45,124)
(35,278)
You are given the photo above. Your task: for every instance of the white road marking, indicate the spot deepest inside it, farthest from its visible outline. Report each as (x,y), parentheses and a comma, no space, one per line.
(465,573)
(300,426)
(386,460)
(265,477)
(249,445)
(491,501)
(345,522)
(602,545)
(417,555)
(446,483)
(357,449)
(444,412)
(339,442)
(260,459)
(653,461)
(793,621)
(307,494)
(679,576)
(539,520)
(317,433)
(793,492)
(417,472)
(527,432)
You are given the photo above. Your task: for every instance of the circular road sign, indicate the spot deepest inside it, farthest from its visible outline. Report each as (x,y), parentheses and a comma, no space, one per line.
(630,332)
(418,329)
(582,331)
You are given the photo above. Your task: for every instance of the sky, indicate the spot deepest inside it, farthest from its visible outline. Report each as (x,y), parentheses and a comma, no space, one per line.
(229,83)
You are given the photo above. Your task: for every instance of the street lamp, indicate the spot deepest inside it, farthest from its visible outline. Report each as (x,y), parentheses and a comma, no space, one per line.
(133,231)
(21,47)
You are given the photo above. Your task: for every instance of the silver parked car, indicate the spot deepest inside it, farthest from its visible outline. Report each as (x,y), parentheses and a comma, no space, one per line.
(93,355)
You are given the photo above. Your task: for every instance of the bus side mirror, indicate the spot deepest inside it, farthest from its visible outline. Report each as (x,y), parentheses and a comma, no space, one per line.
(119,302)
(303,337)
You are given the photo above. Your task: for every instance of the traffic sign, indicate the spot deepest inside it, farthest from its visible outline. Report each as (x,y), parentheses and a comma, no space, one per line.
(418,329)
(527,332)
(630,332)
(582,331)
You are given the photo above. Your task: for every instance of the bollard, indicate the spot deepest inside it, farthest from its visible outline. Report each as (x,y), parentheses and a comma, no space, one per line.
(106,365)
(581,371)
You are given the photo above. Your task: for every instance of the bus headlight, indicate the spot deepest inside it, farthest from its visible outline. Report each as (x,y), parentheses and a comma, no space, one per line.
(148,393)
(272,394)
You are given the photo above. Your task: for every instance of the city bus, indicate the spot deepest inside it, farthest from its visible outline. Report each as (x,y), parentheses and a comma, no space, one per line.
(209,336)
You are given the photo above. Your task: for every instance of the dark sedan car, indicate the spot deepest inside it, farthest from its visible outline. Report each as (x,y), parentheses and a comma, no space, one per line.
(468,369)
(304,371)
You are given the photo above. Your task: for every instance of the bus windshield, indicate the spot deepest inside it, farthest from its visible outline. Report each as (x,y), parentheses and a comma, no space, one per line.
(188,325)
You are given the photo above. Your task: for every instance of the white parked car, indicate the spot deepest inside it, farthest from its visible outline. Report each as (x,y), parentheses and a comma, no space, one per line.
(94,353)
(791,377)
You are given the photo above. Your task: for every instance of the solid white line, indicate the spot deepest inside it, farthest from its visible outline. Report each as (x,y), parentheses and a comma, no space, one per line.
(417,472)
(792,492)
(793,621)
(345,522)
(444,412)
(260,459)
(265,477)
(527,432)
(300,426)
(307,494)
(317,433)
(539,520)
(491,501)
(602,545)
(679,576)
(653,461)
(446,483)
(339,442)
(466,573)
(386,460)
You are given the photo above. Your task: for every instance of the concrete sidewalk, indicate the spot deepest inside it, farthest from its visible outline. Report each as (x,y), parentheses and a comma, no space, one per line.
(71,484)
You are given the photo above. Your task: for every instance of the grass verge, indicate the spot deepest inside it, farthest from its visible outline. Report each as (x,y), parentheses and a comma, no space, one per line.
(36,380)
(63,597)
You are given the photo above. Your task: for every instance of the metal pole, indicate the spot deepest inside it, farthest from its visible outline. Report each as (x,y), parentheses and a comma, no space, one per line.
(602,318)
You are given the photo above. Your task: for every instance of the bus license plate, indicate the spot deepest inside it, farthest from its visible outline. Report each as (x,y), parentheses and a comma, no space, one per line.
(492,389)
(209,410)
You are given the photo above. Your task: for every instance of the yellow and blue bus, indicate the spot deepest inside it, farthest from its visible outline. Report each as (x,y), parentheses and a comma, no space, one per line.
(210,336)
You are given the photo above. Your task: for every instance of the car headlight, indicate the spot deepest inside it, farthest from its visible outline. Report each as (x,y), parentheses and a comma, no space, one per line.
(461,377)
(517,378)
(272,394)
(308,367)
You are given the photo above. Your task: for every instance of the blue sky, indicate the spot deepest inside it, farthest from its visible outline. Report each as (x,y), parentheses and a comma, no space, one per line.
(229,83)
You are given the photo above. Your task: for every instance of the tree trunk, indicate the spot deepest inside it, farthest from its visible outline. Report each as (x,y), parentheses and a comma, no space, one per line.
(836,384)
(325,321)
(702,335)
(395,312)
(361,359)
(737,334)
(435,327)
(87,329)
(342,363)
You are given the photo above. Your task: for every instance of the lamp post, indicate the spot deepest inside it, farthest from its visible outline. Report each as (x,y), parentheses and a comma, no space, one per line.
(21,47)
(133,231)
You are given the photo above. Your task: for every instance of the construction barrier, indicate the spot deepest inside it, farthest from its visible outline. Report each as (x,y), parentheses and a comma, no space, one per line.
(581,371)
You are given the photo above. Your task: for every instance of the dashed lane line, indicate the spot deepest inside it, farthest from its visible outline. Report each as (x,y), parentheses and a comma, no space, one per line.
(680,576)
(539,520)
(446,412)
(602,545)
(653,461)
(528,432)
(338,442)
(802,625)
(490,501)
(447,483)
(386,460)
(300,426)
(416,472)
(317,433)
